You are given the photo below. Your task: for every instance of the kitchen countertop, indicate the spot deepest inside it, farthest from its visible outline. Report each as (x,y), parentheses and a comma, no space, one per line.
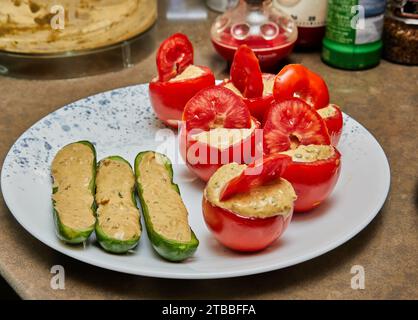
(383,99)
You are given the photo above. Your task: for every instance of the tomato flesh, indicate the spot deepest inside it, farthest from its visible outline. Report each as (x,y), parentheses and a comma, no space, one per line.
(297,81)
(246,74)
(173,56)
(216,107)
(291,123)
(260,105)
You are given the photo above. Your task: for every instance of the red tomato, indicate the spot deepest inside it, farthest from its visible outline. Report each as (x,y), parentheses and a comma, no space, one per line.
(203,159)
(174,55)
(290,123)
(256,174)
(168,98)
(260,105)
(334,122)
(242,233)
(246,74)
(297,81)
(216,107)
(313,181)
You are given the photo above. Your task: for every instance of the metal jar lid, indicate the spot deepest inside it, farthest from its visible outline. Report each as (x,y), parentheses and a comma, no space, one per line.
(404,10)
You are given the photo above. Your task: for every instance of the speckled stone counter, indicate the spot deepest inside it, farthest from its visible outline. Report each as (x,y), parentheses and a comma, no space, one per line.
(383,99)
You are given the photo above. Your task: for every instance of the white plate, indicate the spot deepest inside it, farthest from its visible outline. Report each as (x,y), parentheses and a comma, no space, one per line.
(121,122)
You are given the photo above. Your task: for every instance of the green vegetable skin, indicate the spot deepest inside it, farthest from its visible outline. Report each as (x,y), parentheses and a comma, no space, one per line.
(64,232)
(107,242)
(169,249)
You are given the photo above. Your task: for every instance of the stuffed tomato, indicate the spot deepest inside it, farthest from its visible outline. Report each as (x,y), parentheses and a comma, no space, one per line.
(248,210)
(297,81)
(178,79)
(247,81)
(258,106)
(333,118)
(313,172)
(217,129)
(294,128)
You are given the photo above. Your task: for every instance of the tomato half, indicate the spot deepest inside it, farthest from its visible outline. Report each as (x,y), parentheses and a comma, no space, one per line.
(291,123)
(246,74)
(216,107)
(173,56)
(313,181)
(168,98)
(333,118)
(203,159)
(260,105)
(242,233)
(256,174)
(295,80)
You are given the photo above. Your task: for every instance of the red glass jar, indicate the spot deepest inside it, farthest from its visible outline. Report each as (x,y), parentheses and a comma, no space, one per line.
(268,31)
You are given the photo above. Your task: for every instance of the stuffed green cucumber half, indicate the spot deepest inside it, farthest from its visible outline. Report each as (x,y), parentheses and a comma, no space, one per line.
(165,214)
(73,172)
(118,226)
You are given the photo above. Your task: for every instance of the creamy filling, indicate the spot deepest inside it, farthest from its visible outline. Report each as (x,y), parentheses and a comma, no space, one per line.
(268,83)
(327,112)
(229,85)
(191,72)
(166,209)
(310,153)
(72,172)
(223,138)
(117,215)
(272,199)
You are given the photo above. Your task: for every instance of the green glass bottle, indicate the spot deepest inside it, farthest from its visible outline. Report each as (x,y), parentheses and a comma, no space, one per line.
(353,38)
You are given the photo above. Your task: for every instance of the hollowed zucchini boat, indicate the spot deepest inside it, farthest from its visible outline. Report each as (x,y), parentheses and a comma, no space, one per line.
(165,214)
(118,226)
(73,172)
